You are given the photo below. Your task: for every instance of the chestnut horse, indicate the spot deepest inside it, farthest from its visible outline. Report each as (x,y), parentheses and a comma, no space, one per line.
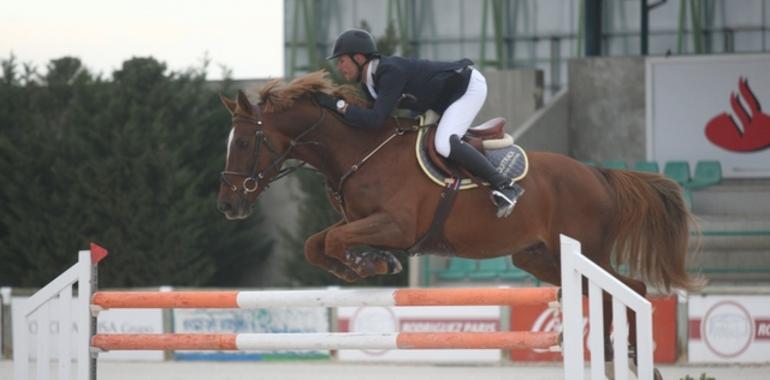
(387,203)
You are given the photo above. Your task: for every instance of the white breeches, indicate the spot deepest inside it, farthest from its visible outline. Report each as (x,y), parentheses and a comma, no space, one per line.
(459,115)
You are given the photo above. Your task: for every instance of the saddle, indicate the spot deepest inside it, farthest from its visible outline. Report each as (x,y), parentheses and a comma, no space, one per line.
(492,141)
(488,138)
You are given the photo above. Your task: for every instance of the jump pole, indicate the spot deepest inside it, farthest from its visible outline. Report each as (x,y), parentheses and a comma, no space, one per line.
(327,341)
(327,298)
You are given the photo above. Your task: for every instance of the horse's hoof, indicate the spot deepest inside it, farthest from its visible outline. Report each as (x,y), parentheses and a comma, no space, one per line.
(394,266)
(367,261)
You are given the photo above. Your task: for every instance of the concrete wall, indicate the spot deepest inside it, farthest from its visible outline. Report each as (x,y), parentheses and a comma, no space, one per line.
(607,109)
(512,94)
(546,129)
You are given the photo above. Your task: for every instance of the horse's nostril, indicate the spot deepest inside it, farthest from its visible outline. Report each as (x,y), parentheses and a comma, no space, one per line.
(224,206)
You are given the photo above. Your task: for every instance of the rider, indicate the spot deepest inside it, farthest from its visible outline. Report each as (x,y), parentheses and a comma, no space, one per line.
(454,89)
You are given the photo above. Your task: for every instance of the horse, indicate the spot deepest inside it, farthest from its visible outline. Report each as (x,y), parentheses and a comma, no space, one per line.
(387,204)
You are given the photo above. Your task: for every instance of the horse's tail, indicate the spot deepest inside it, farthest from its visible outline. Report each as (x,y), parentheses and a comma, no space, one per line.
(652,229)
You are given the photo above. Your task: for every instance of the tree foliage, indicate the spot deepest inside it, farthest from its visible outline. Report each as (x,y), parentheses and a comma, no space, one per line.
(130,163)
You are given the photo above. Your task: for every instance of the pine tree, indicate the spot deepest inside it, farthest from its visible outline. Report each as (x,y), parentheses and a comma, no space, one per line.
(130,164)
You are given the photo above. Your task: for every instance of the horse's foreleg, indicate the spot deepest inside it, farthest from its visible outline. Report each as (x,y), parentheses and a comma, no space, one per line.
(314,253)
(367,245)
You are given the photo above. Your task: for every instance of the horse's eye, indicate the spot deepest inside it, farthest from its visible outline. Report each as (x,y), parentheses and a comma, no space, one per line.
(242,143)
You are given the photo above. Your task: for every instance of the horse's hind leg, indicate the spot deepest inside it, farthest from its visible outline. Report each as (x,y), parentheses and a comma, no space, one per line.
(641,289)
(539,261)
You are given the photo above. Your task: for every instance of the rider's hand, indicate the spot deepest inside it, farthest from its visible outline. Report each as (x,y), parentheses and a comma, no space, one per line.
(326,100)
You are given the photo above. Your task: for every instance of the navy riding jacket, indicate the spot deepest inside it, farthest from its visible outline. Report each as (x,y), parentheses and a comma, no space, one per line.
(433,85)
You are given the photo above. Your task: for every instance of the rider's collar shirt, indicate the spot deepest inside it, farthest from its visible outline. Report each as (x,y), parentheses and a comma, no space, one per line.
(371,69)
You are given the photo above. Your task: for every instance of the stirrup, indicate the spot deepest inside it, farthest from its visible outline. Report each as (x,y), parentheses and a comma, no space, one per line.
(504,204)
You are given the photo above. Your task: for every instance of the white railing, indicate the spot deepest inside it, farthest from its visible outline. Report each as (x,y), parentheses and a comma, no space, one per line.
(575,266)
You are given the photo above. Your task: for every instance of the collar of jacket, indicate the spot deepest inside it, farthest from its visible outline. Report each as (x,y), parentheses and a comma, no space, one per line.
(371,69)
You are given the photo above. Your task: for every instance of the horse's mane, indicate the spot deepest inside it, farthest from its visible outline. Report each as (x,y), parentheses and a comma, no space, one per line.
(277,96)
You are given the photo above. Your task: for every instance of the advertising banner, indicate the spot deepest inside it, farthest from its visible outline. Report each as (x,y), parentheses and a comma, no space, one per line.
(710,108)
(420,319)
(541,318)
(131,321)
(729,329)
(237,321)
(137,321)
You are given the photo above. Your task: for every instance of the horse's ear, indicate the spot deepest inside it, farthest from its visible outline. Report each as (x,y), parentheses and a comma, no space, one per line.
(243,103)
(229,104)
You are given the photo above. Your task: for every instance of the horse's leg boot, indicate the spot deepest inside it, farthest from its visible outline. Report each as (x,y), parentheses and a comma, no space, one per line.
(375,260)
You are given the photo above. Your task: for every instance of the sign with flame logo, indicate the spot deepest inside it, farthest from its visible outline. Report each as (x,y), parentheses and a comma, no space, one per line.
(710,108)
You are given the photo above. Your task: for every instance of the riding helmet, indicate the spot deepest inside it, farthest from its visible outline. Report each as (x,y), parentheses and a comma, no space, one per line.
(354,41)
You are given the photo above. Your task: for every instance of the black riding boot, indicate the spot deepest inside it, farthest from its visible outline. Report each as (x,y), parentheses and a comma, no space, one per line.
(504,192)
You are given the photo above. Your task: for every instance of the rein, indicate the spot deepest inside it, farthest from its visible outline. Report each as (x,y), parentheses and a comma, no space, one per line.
(337,193)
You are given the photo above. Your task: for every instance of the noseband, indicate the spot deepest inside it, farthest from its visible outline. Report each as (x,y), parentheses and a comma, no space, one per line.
(251,180)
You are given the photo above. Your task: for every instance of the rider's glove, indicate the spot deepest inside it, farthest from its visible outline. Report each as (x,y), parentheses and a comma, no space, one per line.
(329,101)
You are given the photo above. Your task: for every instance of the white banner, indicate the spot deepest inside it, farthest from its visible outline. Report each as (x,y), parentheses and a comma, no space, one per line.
(144,321)
(710,108)
(420,319)
(237,321)
(729,329)
(131,321)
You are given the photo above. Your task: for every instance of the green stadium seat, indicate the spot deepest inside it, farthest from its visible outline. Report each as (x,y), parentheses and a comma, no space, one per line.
(679,171)
(457,269)
(490,269)
(514,274)
(687,195)
(614,164)
(589,163)
(647,166)
(707,173)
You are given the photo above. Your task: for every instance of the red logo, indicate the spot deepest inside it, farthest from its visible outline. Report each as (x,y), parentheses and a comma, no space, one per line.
(754,131)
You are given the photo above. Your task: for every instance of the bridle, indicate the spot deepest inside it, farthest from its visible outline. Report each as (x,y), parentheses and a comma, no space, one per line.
(251,180)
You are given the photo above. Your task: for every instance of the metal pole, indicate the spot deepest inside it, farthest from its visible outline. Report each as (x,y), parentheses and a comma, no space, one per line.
(645,27)
(593,22)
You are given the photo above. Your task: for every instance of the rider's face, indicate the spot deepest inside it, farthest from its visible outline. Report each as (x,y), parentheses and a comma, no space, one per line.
(347,67)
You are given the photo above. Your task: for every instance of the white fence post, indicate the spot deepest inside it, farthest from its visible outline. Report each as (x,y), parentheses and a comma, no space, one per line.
(575,266)
(55,300)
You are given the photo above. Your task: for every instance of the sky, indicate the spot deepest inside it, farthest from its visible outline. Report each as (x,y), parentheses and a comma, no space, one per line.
(244,36)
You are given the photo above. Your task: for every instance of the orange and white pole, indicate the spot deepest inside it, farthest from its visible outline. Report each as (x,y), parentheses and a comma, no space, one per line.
(328,298)
(327,341)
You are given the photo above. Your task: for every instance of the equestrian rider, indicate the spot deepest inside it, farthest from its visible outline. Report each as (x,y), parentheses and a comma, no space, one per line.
(454,89)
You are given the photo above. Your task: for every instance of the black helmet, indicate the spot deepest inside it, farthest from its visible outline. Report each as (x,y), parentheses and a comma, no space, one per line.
(354,41)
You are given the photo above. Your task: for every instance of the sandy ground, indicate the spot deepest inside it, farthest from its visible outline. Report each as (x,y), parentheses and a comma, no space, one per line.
(347,371)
